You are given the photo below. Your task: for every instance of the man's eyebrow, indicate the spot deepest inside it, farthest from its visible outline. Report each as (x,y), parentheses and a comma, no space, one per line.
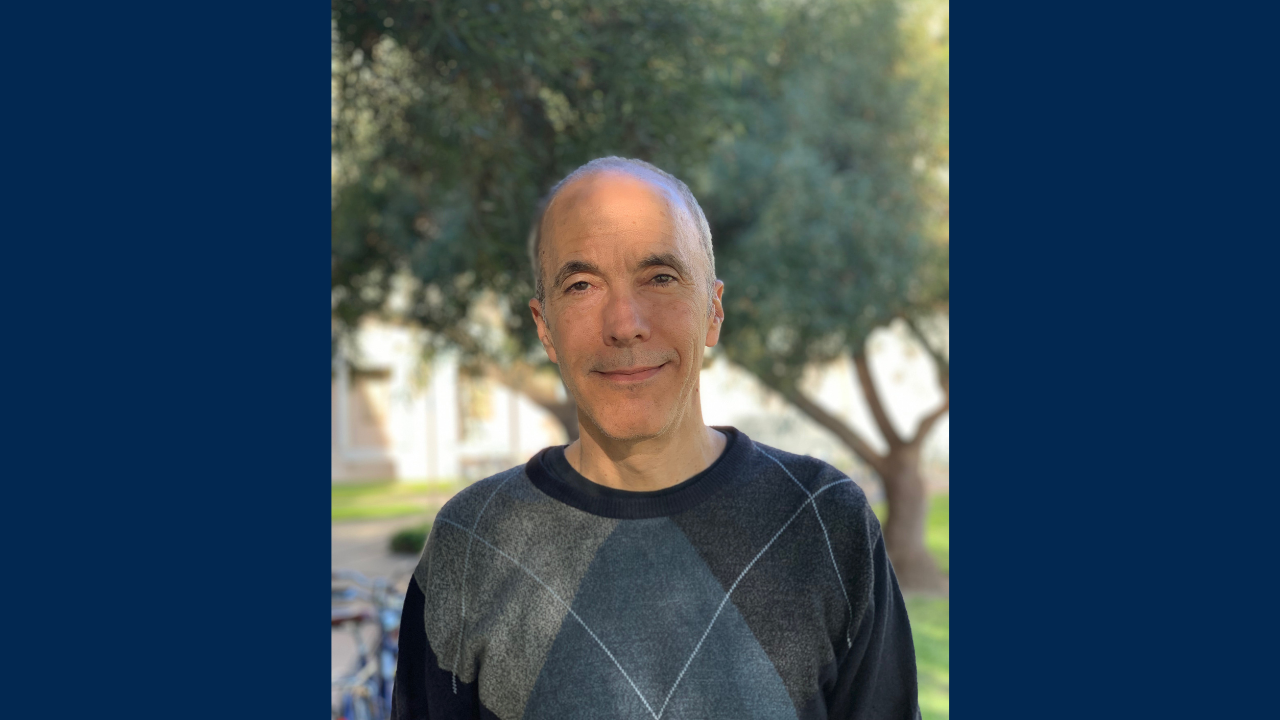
(571,267)
(666,259)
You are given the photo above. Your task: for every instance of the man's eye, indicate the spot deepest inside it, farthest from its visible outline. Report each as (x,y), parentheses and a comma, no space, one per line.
(579,286)
(663,279)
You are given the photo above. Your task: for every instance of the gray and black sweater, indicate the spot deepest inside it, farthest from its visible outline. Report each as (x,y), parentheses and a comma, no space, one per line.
(759,588)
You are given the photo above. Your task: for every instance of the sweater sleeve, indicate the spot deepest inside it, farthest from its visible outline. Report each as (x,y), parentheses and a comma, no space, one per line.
(423,690)
(876,678)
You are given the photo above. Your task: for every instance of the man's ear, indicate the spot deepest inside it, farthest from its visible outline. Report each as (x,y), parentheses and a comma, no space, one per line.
(717,314)
(543,333)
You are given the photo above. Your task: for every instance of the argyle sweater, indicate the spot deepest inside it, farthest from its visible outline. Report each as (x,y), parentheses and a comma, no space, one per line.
(759,588)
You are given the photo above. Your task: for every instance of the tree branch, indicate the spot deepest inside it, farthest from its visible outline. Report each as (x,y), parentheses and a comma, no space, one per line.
(872,395)
(839,428)
(940,362)
(930,420)
(943,367)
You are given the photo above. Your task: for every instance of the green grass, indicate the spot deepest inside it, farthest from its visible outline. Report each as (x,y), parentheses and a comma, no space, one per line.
(387,499)
(937,531)
(931,617)
(930,628)
(378,512)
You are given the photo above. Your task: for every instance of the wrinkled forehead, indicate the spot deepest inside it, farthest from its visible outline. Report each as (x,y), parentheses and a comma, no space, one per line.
(608,206)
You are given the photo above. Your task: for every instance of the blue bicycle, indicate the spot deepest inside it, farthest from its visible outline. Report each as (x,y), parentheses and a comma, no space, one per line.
(356,603)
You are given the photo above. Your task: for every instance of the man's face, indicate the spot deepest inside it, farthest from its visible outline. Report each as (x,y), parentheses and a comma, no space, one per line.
(626,316)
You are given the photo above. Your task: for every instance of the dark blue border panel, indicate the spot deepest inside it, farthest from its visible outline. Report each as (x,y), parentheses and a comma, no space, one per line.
(167,263)
(1110,310)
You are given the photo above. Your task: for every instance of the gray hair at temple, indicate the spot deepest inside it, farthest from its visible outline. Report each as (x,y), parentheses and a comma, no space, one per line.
(695,220)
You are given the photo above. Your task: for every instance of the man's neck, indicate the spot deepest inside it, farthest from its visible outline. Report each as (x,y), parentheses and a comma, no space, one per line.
(643,465)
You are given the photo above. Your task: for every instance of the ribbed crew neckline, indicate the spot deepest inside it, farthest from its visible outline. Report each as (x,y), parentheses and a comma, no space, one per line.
(551,473)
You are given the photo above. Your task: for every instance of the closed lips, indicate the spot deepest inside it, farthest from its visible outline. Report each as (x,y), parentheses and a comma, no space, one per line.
(634,374)
(630,371)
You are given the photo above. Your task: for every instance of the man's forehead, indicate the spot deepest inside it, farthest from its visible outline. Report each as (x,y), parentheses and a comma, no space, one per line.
(608,205)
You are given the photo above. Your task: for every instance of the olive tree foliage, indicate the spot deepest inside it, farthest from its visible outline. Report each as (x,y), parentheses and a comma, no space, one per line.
(454,117)
(828,208)
(820,205)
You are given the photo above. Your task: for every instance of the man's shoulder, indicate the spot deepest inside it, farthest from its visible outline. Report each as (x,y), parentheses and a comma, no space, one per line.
(817,477)
(472,499)
(456,524)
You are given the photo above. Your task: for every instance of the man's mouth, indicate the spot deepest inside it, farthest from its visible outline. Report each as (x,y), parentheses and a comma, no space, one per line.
(631,375)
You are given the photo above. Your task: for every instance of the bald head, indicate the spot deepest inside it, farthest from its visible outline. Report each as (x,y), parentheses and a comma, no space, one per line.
(613,185)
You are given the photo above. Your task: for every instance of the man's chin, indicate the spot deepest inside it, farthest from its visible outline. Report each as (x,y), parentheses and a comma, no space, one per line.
(621,426)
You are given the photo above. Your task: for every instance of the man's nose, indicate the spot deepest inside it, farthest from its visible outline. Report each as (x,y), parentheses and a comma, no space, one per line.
(624,320)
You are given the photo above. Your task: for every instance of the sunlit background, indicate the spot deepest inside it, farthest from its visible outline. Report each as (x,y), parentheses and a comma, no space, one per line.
(815,136)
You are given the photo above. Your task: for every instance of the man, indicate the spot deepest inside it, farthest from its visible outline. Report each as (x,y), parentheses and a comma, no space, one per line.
(655,567)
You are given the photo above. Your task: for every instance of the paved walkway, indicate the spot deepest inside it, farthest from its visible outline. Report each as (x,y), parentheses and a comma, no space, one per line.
(362,545)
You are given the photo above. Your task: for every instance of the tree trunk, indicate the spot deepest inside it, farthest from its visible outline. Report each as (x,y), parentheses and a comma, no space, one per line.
(904,528)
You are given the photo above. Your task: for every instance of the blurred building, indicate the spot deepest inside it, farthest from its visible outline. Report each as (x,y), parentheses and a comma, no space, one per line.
(397,416)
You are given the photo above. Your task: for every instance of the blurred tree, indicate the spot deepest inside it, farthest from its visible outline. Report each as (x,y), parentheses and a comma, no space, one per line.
(814,134)
(452,119)
(829,213)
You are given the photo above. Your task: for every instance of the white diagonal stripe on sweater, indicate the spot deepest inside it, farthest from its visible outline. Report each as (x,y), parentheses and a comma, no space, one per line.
(848,641)
(547,587)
